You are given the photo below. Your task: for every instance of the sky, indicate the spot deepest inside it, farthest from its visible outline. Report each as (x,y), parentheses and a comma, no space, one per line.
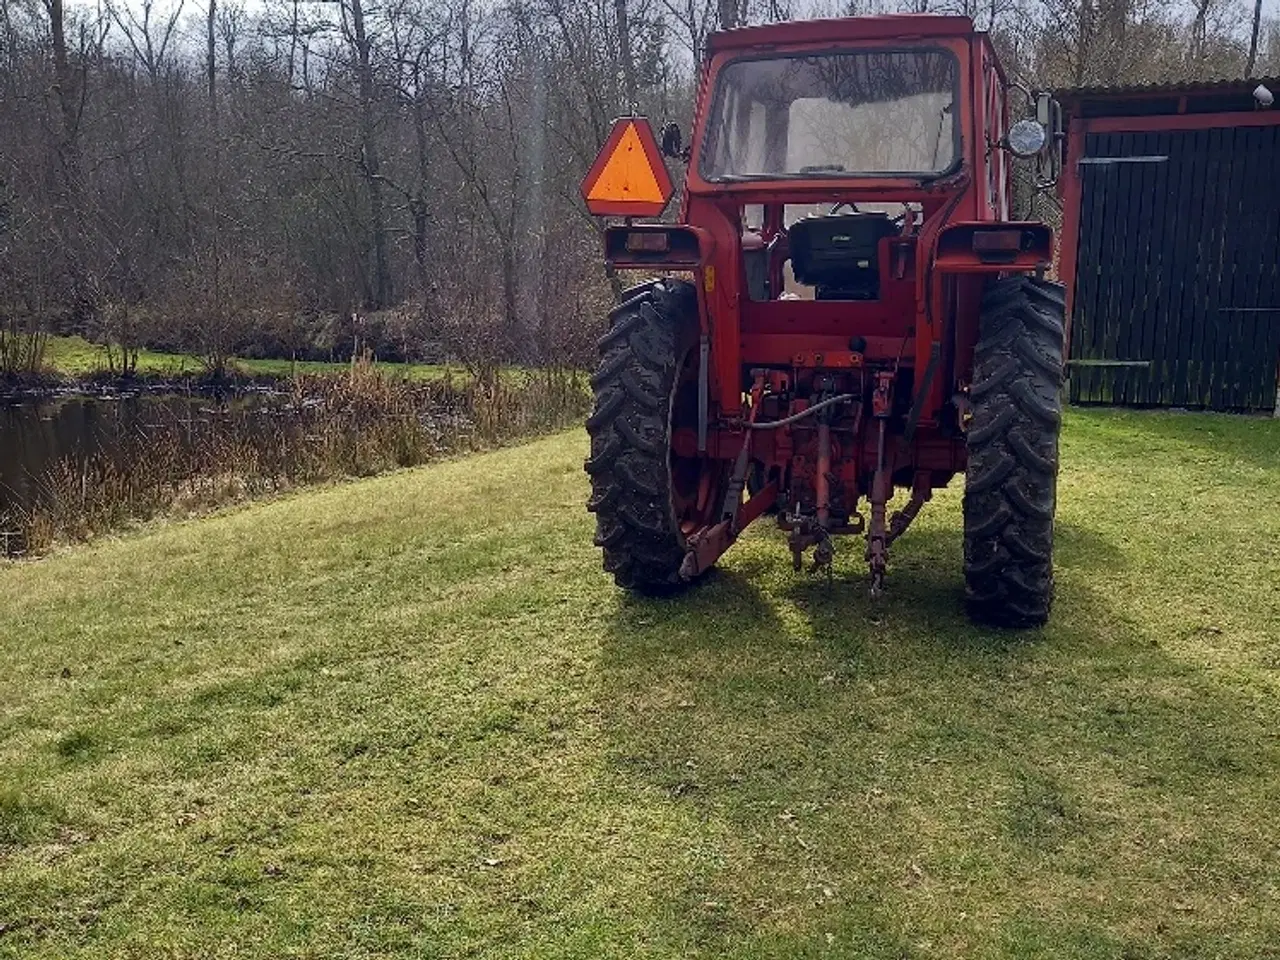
(194,9)
(1269,7)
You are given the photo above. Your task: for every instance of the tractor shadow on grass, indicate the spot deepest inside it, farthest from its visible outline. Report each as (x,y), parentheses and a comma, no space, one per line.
(795,729)
(755,607)
(924,596)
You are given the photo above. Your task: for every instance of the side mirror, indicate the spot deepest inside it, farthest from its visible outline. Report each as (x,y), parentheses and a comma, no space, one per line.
(1049,167)
(1044,109)
(672,141)
(1058,133)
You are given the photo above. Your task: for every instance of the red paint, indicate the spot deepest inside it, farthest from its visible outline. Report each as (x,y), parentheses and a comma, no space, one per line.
(896,27)
(1069,189)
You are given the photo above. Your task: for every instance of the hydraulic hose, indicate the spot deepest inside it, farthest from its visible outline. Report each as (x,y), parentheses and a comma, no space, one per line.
(830,401)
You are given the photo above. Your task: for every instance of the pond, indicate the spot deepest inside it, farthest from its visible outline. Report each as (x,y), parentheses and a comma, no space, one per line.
(37,435)
(74,466)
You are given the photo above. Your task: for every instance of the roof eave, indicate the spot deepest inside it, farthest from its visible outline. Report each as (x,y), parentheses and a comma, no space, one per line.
(845,29)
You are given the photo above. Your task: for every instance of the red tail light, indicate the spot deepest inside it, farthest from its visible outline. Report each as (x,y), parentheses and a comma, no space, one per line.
(997,246)
(648,242)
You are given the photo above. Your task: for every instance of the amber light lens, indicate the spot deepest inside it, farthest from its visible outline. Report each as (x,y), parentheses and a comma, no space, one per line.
(997,246)
(648,242)
(997,241)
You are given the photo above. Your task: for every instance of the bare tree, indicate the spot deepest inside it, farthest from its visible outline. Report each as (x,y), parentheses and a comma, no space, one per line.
(355,32)
(211,62)
(149,38)
(1253,38)
(415,162)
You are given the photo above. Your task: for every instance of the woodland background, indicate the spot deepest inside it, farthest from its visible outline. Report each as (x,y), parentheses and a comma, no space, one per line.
(305,179)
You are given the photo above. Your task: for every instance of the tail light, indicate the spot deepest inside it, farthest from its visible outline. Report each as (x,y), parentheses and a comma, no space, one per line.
(997,246)
(648,241)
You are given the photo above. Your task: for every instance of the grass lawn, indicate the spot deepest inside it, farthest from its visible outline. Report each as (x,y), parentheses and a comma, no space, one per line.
(75,356)
(410,717)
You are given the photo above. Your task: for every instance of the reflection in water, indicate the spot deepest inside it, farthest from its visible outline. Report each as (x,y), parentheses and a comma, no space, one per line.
(75,467)
(35,436)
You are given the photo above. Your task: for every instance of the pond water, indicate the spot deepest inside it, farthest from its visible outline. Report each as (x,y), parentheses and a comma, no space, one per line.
(36,435)
(75,465)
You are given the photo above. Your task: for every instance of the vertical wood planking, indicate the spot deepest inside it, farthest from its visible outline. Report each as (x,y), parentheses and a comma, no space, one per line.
(1265,201)
(1154,341)
(1237,339)
(1186,249)
(1131,318)
(1111,206)
(1210,327)
(1088,266)
(1179,265)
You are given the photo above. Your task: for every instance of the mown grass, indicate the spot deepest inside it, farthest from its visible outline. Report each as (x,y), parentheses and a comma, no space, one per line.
(410,717)
(76,357)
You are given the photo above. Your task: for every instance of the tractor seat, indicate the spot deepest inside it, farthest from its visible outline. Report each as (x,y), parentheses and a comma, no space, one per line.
(838,255)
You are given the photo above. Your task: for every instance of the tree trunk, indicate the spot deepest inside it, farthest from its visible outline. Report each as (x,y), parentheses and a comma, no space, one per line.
(1084,43)
(624,53)
(1199,26)
(212,64)
(71,215)
(382,294)
(728,14)
(68,154)
(510,304)
(418,205)
(1253,39)
(293,42)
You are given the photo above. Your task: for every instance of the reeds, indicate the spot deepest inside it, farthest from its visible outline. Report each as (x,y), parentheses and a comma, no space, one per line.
(317,428)
(21,353)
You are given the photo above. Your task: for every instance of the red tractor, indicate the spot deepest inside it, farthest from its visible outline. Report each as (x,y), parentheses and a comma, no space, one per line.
(857,311)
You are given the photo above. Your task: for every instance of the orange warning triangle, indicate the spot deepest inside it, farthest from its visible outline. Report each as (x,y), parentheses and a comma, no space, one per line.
(629,177)
(627,174)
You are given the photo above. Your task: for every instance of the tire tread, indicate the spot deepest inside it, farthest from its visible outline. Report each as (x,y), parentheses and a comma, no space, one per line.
(636,528)
(1011,479)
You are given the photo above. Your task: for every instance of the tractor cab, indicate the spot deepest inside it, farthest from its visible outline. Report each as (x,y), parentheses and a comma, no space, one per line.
(854,134)
(833,113)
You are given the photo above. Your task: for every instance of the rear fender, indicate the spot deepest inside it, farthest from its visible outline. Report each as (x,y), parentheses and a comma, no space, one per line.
(994,247)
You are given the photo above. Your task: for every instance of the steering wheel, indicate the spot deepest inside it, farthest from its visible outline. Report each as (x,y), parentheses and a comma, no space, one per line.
(898,221)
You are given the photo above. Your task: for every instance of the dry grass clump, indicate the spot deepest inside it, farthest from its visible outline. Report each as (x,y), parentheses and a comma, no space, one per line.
(190,456)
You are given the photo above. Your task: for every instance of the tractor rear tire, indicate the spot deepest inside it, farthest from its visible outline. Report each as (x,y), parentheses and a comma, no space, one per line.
(1011,480)
(641,359)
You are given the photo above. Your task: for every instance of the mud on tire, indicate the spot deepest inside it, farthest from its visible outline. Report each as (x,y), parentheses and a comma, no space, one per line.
(630,427)
(1011,480)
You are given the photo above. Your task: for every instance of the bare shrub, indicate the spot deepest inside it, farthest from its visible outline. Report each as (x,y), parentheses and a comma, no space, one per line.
(222,295)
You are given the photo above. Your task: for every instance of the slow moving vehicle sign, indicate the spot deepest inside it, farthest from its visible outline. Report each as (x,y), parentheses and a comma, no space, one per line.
(628,178)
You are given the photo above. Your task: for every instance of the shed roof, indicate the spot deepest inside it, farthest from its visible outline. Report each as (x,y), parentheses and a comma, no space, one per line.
(1190,96)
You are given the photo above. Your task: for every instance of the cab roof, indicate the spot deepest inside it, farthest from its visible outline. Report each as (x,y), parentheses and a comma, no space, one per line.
(904,26)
